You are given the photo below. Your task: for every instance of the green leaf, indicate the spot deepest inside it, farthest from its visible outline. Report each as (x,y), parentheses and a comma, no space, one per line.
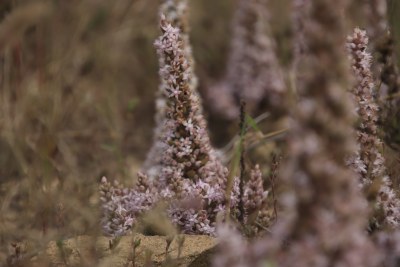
(252,123)
(137,242)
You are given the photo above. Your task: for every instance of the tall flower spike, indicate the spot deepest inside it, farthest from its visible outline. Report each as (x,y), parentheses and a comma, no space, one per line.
(372,166)
(253,70)
(175,11)
(189,145)
(325,214)
(192,181)
(190,168)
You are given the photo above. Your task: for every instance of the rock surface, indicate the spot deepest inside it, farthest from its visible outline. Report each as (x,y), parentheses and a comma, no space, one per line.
(195,252)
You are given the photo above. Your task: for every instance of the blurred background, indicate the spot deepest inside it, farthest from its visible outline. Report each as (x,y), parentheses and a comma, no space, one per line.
(77,86)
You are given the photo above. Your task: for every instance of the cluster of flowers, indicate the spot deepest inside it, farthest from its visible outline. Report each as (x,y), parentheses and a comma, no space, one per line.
(176,11)
(368,161)
(192,180)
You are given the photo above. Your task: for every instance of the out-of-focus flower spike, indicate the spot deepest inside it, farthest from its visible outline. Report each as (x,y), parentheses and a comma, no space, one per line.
(371,165)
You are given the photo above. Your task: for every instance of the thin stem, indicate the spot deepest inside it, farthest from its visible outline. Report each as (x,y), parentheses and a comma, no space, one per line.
(242,126)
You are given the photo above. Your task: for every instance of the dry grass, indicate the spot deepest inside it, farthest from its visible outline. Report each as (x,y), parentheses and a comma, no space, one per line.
(77,80)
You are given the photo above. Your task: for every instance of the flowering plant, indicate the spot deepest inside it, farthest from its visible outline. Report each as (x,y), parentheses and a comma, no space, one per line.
(192,180)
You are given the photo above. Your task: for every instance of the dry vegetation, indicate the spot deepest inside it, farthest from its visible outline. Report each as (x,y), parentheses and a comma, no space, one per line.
(78,81)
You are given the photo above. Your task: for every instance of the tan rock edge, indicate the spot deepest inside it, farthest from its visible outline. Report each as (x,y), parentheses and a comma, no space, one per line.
(195,251)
